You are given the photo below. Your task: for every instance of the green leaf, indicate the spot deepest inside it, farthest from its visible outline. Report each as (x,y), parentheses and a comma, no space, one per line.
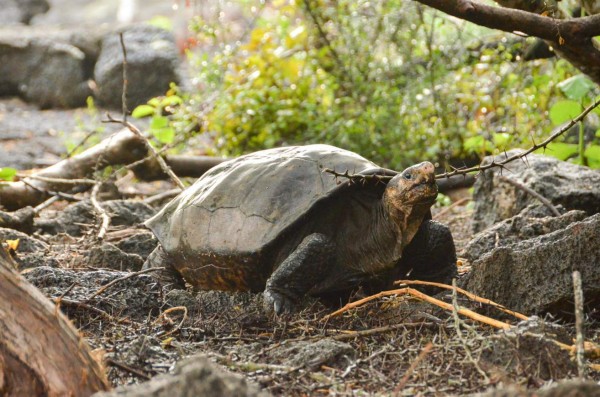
(474,144)
(171,100)
(563,111)
(576,87)
(7,173)
(592,153)
(560,150)
(143,111)
(164,135)
(160,129)
(159,122)
(155,102)
(597,134)
(501,139)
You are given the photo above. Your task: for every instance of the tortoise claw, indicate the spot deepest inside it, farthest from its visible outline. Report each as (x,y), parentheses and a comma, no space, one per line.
(278,303)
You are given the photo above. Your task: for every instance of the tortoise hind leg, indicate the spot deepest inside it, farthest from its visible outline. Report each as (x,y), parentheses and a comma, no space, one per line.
(168,276)
(308,264)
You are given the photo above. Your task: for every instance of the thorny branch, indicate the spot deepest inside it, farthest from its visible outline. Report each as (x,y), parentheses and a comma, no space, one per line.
(481,167)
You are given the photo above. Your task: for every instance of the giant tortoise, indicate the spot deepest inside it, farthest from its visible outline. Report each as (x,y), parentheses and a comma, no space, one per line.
(275,221)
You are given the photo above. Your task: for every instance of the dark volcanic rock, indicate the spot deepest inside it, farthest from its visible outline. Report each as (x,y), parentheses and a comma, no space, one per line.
(528,351)
(572,186)
(152,63)
(48,67)
(194,376)
(109,256)
(526,225)
(535,276)
(31,252)
(21,220)
(26,244)
(21,11)
(76,218)
(142,244)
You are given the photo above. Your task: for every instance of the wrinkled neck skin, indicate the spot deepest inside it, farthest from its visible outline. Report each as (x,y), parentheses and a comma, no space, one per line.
(378,246)
(405,219)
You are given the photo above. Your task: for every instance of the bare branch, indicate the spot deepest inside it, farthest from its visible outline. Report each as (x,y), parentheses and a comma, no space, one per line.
(574,30)
(572,39)
(150,148)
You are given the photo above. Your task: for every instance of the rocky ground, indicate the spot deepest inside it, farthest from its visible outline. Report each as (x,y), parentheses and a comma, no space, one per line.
(394,345)
(512,250)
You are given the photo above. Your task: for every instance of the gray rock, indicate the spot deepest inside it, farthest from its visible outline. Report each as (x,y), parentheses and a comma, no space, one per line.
(314,354)
(567,388)
(142,244)
(526,350)
(152,64)
(570,185)
(26,244)
(21,220)
(48,67)
(194,376)
(526,225)
(31,252)
(21,11)
(109,256)
(535,276)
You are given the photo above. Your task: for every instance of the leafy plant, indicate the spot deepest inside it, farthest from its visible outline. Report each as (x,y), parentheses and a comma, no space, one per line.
(7,174)
(579,92)
(158,109)
(392,80)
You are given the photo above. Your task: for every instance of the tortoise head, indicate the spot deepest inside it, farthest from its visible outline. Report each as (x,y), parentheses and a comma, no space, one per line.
(408,197)
(413,186)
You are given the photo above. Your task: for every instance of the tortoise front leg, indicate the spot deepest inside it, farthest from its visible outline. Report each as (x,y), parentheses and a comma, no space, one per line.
(431,255)
(308,264)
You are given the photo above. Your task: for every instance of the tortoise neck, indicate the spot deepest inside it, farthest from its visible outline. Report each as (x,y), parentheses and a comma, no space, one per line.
(405,219)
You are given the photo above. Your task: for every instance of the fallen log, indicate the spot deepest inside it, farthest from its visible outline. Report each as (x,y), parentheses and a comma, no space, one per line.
(122,148)
(41,353)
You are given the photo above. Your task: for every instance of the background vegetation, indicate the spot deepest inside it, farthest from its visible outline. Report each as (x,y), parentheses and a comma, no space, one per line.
(395,81)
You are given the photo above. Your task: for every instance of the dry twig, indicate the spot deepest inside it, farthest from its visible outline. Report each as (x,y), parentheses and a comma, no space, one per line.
(412,367)
(532,192)
(166,317)
(579,341)
(151,149)
(424,297)
(482,167)
(101,211)
(467,294)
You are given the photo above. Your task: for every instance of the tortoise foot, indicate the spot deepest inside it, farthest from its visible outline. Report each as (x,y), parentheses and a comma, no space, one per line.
(278,303)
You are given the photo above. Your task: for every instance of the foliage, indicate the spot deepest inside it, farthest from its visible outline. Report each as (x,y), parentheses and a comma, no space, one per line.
(158,109)
(578,92)
(7,174)
(392,80)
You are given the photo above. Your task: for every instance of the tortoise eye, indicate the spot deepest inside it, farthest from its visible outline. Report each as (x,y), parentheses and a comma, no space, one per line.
(407,176)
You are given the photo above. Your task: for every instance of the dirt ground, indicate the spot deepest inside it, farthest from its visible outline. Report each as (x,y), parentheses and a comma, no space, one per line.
(395,345)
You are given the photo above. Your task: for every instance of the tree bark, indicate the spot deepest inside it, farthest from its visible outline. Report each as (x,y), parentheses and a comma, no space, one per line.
(41,353)
(572,39)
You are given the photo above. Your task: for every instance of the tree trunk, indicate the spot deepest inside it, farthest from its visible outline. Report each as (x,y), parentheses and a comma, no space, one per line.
(41,353)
